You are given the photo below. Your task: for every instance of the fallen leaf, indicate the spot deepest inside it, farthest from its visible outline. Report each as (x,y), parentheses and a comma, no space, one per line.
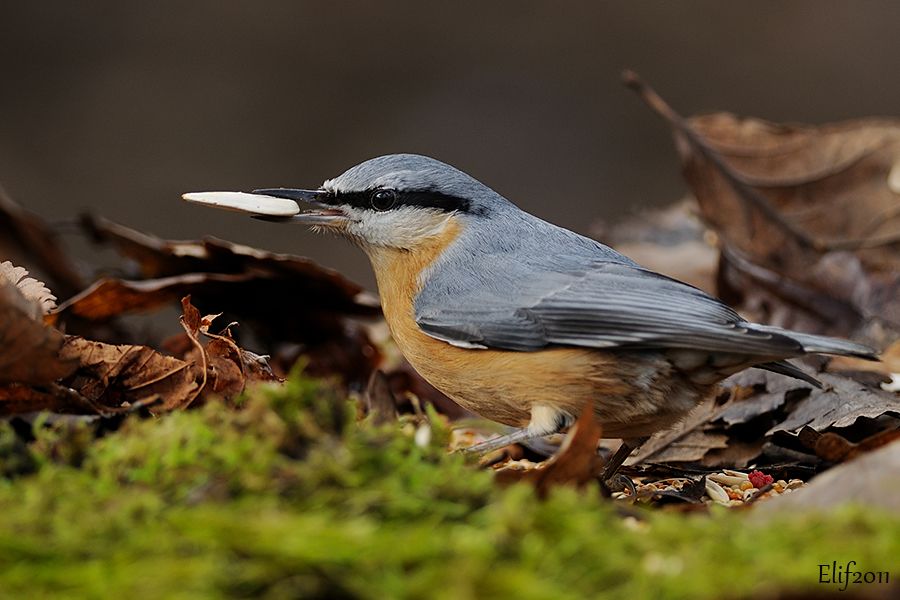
(840,404)
(872,480)
(25,235)
(380,402)
(301,282)
(117,376)
(770,391)
(764,404)
(807,214)
(290,304)
(18,399)
(737,454)
(29,350)
(576,463)
(34,291)
(658,442)
(691,447)
(228,367)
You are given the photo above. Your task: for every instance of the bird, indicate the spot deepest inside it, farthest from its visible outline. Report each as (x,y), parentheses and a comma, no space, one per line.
(526,323)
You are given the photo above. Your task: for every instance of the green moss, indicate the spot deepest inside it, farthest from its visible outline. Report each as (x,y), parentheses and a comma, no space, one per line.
(289,497)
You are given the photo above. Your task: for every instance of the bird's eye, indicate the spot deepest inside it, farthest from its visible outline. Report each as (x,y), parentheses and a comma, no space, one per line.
(382,200)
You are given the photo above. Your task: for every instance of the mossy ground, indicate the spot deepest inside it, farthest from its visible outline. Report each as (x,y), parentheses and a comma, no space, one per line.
(288,497)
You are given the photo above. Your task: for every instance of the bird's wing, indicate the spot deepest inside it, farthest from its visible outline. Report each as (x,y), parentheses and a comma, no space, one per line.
(609,304)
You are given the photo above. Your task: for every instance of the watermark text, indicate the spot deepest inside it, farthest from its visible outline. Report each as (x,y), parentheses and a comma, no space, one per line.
(850,573)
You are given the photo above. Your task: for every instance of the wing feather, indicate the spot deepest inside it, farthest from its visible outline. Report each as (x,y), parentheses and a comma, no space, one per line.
(610,304)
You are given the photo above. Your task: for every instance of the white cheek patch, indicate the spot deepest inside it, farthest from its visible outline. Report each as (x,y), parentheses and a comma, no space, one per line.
(403,227)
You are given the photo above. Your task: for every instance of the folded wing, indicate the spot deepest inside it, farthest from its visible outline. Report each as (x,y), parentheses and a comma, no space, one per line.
(607,305)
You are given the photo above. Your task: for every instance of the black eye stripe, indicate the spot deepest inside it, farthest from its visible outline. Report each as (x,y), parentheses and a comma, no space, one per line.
(424,199)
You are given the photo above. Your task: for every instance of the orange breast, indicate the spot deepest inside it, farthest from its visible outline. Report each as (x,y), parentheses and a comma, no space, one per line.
(496,384)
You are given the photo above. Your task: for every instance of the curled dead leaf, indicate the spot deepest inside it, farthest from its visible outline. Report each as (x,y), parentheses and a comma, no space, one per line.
(576,463)
(227,367)
(116,377)
(29,350)
(33,290)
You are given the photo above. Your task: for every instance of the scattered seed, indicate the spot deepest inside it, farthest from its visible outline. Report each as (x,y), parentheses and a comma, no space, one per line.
(726,479)
(716,492)
(735,473)
(423,435)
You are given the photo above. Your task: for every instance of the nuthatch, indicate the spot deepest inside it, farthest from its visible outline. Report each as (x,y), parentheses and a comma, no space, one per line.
(521,321)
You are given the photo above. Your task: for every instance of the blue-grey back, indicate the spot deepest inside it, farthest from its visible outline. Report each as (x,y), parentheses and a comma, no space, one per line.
(513,281)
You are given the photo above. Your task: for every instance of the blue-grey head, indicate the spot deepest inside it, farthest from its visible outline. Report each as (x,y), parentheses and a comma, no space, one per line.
(398,200)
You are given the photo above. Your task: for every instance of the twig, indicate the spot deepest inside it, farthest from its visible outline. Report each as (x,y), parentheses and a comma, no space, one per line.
(758,494)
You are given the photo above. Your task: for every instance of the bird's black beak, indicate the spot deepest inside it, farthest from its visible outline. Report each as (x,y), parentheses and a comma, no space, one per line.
(322,213)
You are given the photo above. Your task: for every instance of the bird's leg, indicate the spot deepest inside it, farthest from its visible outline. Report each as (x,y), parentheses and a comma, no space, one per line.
(619,457)
(544,421)
(523,434)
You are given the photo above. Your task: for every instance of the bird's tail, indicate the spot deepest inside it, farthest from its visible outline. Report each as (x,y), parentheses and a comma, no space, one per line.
(820,344)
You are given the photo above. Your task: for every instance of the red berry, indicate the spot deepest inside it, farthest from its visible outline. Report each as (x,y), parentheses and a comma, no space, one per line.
(760,479)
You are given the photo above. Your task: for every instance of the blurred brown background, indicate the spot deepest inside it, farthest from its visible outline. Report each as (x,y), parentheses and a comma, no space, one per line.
(119,107)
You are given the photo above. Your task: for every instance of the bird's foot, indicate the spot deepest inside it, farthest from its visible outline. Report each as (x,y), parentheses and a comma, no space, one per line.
(610,478)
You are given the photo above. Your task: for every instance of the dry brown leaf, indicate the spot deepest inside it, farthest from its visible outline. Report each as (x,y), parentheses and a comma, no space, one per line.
(870,480)
(736,455)
(576,463)
(29,350)
(291,304)
(227,366)
(691,447)
(118,376)
(768,393)
(17,399)
(840,404)
(303,283)
(112,378)
(27,237)
(33,290)
(807,216)
(658,442)
(775,404)
(226,377)
(380,402)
